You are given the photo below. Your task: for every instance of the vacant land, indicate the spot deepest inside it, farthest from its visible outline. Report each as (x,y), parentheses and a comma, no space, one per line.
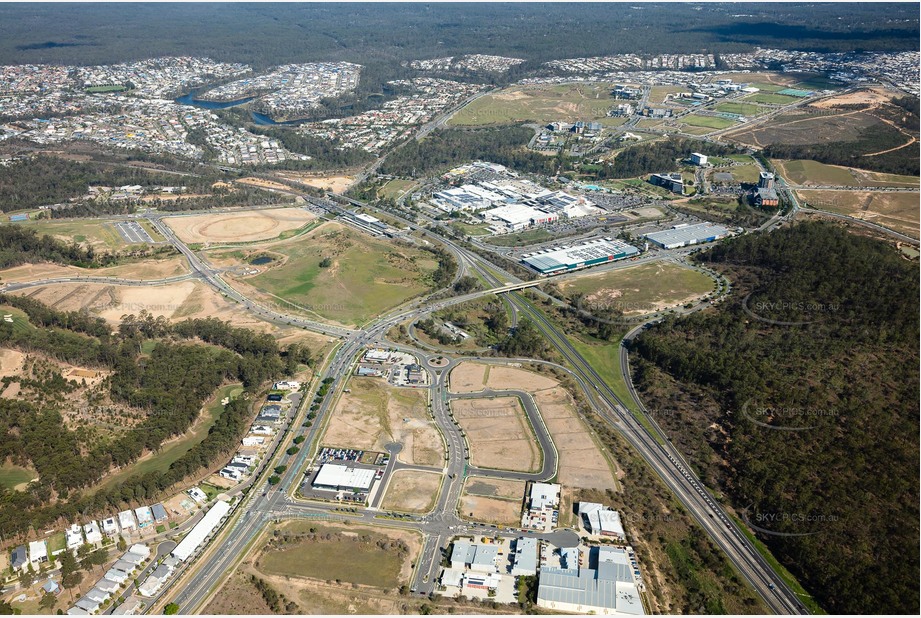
(896,211)
(710,122)
(395,188)
(742,109)
(412,491)
(15,477)
(362,279)
(804,127)
(529,237)
(97,234)
(808,172)
(239,226)
(239,597)
(355,554)
(867,96)
(143,270)
(498,433)
(640,289)
(469,377)
(336,183)
(657,94)
(506,376)
(492,501)
(539,103)
(771,99)
(375,414)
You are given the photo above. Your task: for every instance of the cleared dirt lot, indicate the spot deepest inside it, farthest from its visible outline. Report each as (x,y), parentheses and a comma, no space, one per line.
(412,491)
(468,378)
(239,226)
(10,362)
(498,434)
(143,270)
(336,184)
(490,510)
(375,414)
(582,464)
(503,377)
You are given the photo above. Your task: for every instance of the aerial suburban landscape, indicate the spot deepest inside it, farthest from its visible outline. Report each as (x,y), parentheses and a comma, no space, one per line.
(426,308)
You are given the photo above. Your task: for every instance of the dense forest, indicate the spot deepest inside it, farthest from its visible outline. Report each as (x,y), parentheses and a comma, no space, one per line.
(20,245)
(266,34)
(169,384)
(800,398)
(447,148)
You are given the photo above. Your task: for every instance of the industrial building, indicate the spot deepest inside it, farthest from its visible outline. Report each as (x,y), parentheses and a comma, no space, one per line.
(525,557)
(683,235)
(474,557)
(543,507)
(583,255)
(599,519)
(514,217)
(607,590)
(337,477)
(201,531)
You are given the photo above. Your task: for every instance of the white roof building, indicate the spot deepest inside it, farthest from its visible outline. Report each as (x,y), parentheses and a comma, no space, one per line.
(201,531)
(73,536)
(144,516)
(116,576)
(600,519)
(253,440)
(126,520)
(38,552)
(140,549)
(545,496)
(337,476)
(93,535)
(110,526)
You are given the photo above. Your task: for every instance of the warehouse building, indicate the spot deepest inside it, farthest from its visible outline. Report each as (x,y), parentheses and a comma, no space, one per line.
(515,217)
(599,519)
(592,253)
(684,235)
(698,159)
(337,477)
(608,590)
(673,182)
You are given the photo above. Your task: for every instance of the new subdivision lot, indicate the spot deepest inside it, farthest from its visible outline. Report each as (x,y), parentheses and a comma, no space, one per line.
(807,172)
(498,434)
(494,501)
(412,491)
(375,414)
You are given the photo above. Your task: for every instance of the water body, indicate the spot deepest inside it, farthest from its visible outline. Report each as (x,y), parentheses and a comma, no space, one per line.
(263,120)
(262,259)
(189,99)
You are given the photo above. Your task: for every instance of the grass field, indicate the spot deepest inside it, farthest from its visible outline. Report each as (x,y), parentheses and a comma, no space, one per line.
(20,319)
(808,172)
(99,235)
(771,99)
(540,103)
(394,188)
(528,237)
(710,204)
(12,476)
(767,87)
(710,122)
(657,93)
(366,277)
(481,229)
(743,109)
(351,555)
(180,446)
(639,289)
(745,173)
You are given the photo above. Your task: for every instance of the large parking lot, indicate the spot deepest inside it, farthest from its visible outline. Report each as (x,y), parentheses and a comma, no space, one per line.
(133,232)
